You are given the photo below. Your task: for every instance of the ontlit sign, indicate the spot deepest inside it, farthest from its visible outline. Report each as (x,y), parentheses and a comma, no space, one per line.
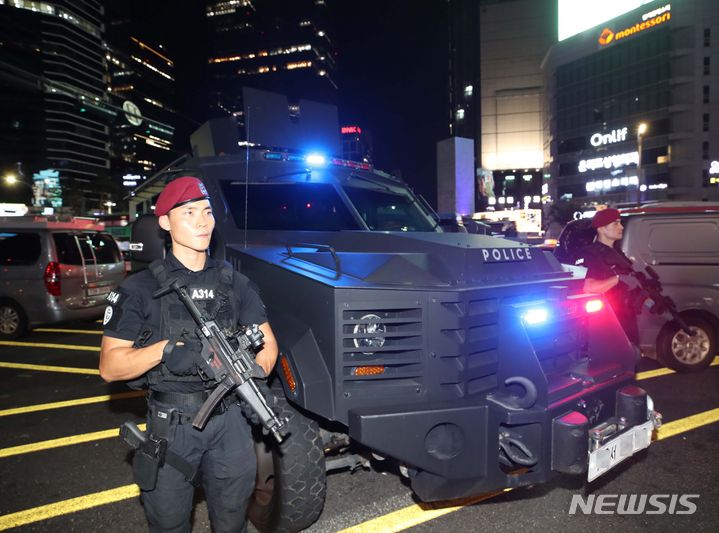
(616,136)
(649,20)
(714,167)
(346,130)
(610,161)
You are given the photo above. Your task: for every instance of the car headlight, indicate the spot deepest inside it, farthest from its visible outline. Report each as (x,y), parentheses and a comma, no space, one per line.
(370,325)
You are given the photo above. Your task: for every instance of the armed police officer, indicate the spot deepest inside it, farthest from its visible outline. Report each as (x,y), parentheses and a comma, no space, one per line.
(603,260)
(152,341)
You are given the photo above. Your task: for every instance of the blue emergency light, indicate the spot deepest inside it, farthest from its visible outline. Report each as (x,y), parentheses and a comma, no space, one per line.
(316,160)
(535,316)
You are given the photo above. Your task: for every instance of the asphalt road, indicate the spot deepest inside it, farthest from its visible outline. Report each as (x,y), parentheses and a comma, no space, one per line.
(84,483)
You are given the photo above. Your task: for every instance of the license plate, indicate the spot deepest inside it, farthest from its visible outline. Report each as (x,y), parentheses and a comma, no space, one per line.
(96,291)
(616,450)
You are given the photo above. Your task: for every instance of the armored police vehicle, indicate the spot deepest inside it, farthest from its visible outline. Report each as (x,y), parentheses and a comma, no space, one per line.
(471,362)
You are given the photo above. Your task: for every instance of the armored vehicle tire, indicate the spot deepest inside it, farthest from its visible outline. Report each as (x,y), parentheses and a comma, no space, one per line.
(291,479)
(13,321)
(683,353)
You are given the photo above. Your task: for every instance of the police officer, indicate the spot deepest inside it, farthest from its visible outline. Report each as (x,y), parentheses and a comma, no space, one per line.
(153,340)
(603,261)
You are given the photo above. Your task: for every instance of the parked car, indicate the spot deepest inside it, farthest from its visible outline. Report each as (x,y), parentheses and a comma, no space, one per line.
(680,240)
(52,271)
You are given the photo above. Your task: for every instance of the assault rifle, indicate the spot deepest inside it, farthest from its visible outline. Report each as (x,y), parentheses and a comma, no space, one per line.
(650,287)
(232,367)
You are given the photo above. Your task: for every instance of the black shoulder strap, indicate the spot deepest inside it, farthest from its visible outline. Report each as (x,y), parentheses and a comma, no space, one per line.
(158,269)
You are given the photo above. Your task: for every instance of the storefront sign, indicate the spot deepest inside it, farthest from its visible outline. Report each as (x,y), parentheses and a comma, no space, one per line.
(610,161)
(649,20)
(616,136)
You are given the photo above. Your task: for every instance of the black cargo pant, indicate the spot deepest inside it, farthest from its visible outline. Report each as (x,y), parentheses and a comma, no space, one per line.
(224,452)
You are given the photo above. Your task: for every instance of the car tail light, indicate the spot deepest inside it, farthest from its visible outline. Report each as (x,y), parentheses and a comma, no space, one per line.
(593,306)
(52,278)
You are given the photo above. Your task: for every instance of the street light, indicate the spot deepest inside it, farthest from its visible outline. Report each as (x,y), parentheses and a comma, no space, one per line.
(11,179)
(641,130)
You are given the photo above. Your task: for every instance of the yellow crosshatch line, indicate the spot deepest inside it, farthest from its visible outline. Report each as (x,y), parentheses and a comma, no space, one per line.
(395,521)
(63,441)
(71,403)
(50,345)
(50,368)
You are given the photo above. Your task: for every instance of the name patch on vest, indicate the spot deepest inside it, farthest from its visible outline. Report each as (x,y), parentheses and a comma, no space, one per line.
(202,294)
(502,255)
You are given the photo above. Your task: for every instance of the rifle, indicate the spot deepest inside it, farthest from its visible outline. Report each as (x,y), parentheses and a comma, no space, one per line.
(232,368)
(651,288)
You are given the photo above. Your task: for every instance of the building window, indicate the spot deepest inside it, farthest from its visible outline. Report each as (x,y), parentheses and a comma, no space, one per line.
(707,36)
(705,150)
(705,122)
(706,94)
(706,66)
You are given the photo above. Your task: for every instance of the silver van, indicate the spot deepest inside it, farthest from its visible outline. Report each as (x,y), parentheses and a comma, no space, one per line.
(680,241)
(54,270)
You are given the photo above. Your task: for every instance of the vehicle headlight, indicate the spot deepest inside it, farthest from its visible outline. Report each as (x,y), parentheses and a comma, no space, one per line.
(370,325)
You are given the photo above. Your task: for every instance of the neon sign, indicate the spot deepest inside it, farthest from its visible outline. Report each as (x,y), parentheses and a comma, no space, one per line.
(649,20)
(348,130)
(616,136)
(611,161)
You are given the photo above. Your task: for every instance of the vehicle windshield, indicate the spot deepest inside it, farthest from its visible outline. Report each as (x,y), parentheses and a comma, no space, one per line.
(389,210)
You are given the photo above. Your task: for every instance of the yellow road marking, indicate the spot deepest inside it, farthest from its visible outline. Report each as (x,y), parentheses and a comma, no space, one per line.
(64,507)
(63,441)
(50,345)
(58,330)
(417,514)
(71,403)
(664,371)
(48,368)
(676,427)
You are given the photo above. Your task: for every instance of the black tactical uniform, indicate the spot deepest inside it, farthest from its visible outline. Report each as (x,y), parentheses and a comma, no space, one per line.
(223,452)
(603,262)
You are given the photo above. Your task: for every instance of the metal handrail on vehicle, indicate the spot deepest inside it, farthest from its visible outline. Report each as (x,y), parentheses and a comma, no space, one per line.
(318,247)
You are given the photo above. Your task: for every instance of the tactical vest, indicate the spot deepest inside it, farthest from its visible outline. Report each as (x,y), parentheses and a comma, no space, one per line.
(212,292)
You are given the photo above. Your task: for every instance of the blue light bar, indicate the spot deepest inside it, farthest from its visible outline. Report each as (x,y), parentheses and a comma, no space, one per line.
(537,315)
(316,160)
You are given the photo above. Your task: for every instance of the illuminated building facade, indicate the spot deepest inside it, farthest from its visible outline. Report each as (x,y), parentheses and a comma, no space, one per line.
(52,94)
(272,45)
(514,36)
(656,64)
(142,84)
(356,144)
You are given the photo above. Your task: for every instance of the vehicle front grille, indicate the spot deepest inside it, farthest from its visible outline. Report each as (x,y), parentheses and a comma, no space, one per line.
(387,338)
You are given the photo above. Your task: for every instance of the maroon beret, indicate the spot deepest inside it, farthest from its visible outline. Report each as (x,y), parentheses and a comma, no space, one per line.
(178,192)
(604,217)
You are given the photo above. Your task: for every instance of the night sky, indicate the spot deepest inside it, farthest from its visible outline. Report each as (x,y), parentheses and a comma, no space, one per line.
(392,73)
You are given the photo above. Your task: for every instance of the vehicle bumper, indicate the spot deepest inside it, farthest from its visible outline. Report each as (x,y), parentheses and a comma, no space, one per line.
(456,451)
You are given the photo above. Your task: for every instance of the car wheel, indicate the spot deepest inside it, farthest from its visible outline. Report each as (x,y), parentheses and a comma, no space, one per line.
(291,478)
(13,321)
(685,353)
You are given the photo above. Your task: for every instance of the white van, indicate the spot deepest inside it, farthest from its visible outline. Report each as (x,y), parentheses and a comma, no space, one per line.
(54,270)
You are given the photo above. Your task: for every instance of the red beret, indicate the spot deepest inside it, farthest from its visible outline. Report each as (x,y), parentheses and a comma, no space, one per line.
(604,217)
(178,192)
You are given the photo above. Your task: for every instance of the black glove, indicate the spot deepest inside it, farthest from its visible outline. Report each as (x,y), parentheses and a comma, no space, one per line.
(183,355)
(270,398)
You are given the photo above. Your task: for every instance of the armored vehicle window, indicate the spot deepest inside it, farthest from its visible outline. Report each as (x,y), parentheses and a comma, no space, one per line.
(17,249)
(289,206)
(389,211)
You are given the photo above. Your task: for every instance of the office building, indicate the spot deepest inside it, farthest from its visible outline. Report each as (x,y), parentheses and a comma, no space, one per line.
(272,45)
(52,96)
(142,84)
(655,65)
(356,144)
